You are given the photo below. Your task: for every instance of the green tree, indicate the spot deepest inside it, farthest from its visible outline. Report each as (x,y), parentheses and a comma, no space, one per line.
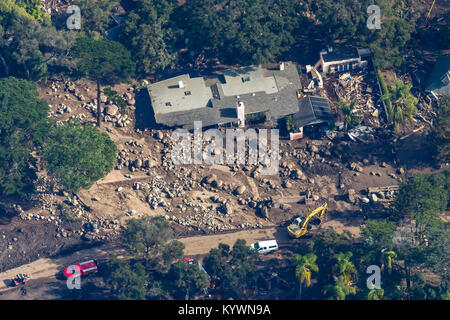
(344,25)
(242,31)
(339,290)
(78,154)
(102,61)
(388,258)
(33,8)
(344,267)
(405,104)
(422,198)
(290,124)
(185,280)
(28,48)
(379,233)
(441,131)
(305,265)
(126,281)
(23,127)
(375,294)
(388,44)
(232,270)
(173,251)
(147,237)
(96,16)
(351,117)
(437,252)
(149,35)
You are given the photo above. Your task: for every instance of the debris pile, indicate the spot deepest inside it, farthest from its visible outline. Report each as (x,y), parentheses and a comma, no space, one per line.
(363,88)
(382,194)
(361,133)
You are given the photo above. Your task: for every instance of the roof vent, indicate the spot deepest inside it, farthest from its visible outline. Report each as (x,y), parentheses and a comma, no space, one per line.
(180,84)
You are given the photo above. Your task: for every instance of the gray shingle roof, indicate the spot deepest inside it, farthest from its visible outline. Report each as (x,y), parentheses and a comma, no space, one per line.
(213,100)
(168,97)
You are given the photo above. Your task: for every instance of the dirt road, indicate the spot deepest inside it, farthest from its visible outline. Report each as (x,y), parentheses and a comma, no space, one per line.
(45,270)
(48,268)
(201,245)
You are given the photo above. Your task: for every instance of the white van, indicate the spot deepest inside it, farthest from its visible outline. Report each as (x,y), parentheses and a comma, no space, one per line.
(265,246)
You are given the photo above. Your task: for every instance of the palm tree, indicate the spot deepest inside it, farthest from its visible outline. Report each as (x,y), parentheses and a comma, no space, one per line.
(375,294)
(305,265)
(404,102)
(351,118)
(388,258)
(344,267)
(339,290)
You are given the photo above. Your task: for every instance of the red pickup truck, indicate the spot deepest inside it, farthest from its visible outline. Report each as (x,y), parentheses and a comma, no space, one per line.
(82,268)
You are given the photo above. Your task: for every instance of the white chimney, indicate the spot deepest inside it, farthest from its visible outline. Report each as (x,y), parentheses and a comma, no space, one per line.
(180,84)
(240,110)
(281,66)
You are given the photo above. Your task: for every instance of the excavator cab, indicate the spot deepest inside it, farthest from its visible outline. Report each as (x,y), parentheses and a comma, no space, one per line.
(299,222)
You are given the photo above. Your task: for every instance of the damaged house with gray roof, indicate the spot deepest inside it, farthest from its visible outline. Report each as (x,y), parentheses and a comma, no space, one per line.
(236,97)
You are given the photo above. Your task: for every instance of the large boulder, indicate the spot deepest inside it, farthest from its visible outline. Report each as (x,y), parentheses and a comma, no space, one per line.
(351,196)
(240,190)
(216,183)
(209,179)
(112,110)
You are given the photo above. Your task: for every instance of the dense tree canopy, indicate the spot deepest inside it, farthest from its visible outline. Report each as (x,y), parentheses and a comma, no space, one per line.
(243,31)
(379,233)
(102,60)
(422,198)
(96,16)
(127,281)
(78,155)
(232,271)
(388,43)
(33,8)
(28,48)
(149,238)
(340,19)
(147,33)
(23,126)
(185,280)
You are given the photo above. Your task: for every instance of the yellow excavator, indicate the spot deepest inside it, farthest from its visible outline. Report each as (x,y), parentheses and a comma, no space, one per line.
(300,226)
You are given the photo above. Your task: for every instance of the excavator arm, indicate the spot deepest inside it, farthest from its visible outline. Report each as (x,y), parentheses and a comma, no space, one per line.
(298,231)
(320,209)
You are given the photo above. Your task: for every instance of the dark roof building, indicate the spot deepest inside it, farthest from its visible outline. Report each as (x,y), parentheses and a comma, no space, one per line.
(345,59)
(439,82)
(348,54)
(313,110)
